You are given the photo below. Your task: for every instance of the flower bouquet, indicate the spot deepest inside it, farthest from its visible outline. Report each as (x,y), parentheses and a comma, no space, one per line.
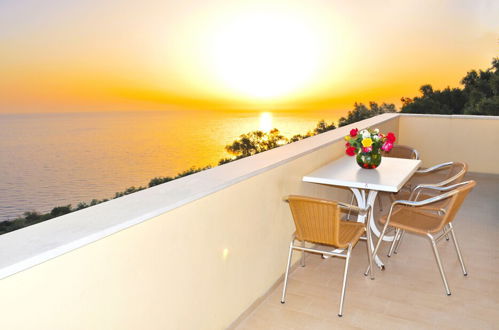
(367,145)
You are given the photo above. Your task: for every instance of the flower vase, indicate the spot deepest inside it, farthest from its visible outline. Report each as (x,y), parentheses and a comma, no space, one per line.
(369,160)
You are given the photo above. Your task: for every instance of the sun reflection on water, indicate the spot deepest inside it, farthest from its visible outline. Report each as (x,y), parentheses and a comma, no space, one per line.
(265,122)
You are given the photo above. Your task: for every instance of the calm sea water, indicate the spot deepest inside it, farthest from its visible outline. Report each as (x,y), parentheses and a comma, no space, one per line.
(48,160)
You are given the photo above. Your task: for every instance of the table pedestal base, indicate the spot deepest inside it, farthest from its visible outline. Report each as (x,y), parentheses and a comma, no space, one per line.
(363,202)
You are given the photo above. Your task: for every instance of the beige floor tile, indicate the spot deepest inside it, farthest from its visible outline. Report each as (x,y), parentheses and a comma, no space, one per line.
(409,294)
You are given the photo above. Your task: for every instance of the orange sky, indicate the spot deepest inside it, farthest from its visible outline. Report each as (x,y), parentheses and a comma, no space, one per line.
(130,55)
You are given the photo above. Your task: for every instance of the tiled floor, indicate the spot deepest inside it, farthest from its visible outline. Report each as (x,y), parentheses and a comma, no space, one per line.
(409,294)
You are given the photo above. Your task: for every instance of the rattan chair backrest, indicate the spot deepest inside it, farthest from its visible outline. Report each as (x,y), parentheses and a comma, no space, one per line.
(457,200)
(454,200)
(456,172)
(402,151)
(316,220)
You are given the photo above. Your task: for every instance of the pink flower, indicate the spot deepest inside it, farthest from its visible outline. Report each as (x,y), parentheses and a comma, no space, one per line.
(353,132)
(350,151)
(387,146)
(367,149)
(390,137)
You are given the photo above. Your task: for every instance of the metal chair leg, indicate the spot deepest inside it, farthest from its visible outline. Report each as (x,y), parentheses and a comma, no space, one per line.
(287,273)
(458,250)
(399,240)
(446,235)
(445,227)
(302,260)
(345,274)
(439,263)
(395,240)
(369,252)
(349,210)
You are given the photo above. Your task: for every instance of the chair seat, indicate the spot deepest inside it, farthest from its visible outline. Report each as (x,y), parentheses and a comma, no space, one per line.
(350,232)
(414,220)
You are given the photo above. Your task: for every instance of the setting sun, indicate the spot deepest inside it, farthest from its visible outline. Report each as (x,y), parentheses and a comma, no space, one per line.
(266,54)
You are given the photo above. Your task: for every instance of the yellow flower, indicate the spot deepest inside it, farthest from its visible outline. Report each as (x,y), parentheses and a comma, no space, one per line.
(347,138)
(367,142)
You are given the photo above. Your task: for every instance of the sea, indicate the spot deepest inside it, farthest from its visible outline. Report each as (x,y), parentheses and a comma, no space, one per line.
(56,159)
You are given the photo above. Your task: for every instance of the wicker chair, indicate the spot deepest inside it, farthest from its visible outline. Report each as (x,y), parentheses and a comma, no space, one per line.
(401,151)
(318,221)
(450,174)
(422,218)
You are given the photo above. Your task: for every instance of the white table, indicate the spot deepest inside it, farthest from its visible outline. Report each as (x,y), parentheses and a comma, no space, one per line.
(365,184)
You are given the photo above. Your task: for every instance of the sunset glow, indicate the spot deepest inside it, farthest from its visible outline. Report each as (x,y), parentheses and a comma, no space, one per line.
(266,55)
(225,55)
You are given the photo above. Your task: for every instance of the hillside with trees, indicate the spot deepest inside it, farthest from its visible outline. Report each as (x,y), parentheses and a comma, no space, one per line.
(479,96)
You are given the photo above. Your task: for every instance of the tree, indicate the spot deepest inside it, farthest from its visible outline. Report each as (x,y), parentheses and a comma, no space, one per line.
(322,126)
(255,142)
(482,91)
(480,95)
(426,90)
(60,210)
(159,180)
(361,112)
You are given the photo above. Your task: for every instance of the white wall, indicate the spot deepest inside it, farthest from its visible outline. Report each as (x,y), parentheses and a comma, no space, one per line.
(439,139)
(169,272)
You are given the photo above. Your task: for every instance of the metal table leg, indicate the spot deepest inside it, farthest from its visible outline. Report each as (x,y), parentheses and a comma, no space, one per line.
(362,201)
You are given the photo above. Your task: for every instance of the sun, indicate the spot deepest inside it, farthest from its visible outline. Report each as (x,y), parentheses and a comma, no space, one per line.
(265,55)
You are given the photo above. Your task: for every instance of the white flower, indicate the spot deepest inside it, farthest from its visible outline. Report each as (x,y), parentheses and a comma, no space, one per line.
(376,130)
(375,137)
(365,134)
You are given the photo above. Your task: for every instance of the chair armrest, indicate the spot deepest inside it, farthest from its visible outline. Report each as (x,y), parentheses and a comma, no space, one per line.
(440,186)
(434,168)
(354,207)
(446,188)
(437,198)
(423,202)
(343,205)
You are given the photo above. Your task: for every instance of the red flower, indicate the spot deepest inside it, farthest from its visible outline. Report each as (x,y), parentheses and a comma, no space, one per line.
(387,146)
(353,132)
(350,151)
(391,137)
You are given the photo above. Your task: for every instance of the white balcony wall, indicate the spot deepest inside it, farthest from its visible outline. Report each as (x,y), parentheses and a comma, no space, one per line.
(439,139)
(198,265)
